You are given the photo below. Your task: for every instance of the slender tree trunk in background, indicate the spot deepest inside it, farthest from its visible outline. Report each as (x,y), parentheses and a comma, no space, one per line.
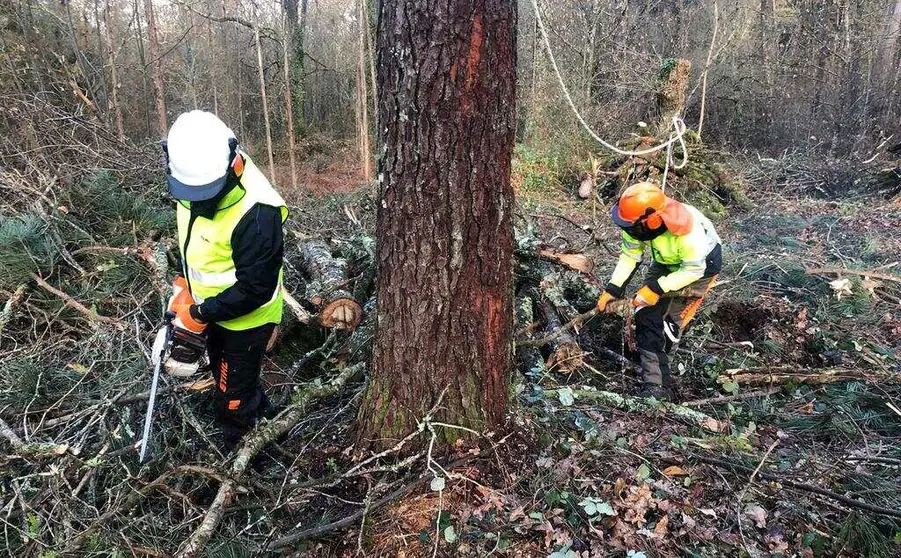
(259,45)
(363,95)
(289,112)
(367,10)
(105,101)
(888,63)
(156,68)
(115,106)
(716,26)
(82,63)
(145,89)
(296,12)
(190,56)
(447,70)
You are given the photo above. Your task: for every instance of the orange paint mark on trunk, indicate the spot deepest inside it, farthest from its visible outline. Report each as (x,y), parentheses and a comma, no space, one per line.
(472,66)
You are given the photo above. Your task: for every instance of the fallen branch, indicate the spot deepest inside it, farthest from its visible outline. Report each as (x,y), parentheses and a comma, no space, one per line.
(860,272)
(256,441)
(730,398)
(557,333)
(299,311)
(92,316)
(758,377)
(847,500)
(31,449)
(649,406)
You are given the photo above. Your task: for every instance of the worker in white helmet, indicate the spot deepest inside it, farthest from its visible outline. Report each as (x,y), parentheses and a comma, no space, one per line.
(231,242)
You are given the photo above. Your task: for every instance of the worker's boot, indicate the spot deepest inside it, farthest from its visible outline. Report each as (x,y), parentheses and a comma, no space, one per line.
(655,375)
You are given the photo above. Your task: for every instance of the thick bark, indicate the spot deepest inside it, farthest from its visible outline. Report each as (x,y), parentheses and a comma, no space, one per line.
(327,287)
(447,73)
(153,45)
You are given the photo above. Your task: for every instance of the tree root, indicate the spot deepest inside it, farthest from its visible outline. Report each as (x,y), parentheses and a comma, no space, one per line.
(260,438)
(648,406)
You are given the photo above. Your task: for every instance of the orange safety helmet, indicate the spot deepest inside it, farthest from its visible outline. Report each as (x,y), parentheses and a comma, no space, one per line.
(646,203)
(641,201)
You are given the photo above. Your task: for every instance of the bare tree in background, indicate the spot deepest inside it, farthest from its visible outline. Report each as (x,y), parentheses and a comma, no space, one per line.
(156,68)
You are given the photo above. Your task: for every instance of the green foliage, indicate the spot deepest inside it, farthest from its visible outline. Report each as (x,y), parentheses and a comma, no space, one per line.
(115,215)
(866,537)
(25,248)
(542,171)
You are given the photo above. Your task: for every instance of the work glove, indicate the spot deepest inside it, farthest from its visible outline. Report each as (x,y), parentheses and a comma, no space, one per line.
(605,299)
(180,294)
(185,320)
(645,297)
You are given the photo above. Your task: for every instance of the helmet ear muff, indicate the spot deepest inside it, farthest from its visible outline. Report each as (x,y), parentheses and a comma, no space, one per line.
(235,160)
(165,145)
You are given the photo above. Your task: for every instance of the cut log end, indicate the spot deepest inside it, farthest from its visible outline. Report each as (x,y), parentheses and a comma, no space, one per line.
(342,314)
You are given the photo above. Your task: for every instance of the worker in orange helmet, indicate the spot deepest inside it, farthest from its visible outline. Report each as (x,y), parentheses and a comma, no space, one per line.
(686,256)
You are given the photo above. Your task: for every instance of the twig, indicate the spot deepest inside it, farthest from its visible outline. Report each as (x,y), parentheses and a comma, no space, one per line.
(860,272)
(259,439)
(581,318)
(92,316)
(9,309)
(31,450)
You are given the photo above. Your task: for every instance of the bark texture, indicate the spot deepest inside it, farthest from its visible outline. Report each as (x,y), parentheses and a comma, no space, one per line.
(446,73)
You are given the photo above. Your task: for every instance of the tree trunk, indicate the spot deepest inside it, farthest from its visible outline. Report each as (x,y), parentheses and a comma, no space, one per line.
(289,110)
(115,106)
(716,26)
(259,44)
(145,90)
(363,96)
(156,68)
(296,13)
(672,85)
(444,322)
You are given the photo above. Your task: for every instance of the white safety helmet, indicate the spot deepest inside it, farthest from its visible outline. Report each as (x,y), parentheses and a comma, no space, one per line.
(200,150)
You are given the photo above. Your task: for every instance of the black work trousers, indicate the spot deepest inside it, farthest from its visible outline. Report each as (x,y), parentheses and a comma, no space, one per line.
(236,358)
(658,327)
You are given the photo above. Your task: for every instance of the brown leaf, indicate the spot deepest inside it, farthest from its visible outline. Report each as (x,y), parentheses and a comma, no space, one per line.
(757,514)
(660,528)
(674,471)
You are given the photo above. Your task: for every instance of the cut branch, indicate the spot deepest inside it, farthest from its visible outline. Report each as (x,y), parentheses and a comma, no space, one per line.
(326,290)
(92,316)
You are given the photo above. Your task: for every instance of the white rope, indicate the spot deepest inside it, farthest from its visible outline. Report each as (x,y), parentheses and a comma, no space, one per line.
(678,125)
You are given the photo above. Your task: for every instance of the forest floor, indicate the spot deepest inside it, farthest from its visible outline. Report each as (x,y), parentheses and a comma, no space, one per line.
(802,366)
(793,369)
